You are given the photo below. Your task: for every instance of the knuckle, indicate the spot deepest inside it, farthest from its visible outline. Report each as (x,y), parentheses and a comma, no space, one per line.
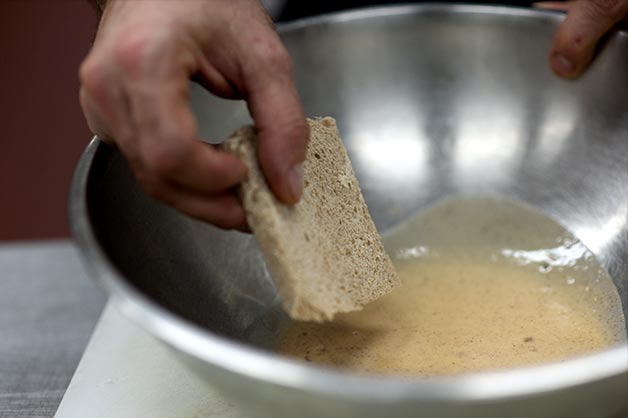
(136,50)
(280,60)
(165,160)
(603,8)
(92,77)
(95,119)
(275,56)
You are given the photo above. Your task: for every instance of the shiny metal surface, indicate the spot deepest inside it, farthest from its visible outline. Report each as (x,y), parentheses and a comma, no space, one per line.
(432,101)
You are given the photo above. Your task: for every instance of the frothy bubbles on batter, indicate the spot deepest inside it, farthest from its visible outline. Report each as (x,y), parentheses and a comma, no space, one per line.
(571,253)
(414,252)
(487,284)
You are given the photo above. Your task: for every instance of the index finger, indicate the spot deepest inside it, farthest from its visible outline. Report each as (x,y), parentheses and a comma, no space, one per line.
(283,131)
(169,147)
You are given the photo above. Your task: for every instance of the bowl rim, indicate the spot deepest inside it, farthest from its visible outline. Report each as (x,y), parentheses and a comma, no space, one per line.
(254,363)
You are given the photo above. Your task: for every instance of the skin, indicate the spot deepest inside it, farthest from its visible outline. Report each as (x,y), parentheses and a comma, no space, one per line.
(134,92)
(576,39)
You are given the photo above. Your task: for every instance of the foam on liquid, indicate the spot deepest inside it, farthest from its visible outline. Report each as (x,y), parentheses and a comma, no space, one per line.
(487,284)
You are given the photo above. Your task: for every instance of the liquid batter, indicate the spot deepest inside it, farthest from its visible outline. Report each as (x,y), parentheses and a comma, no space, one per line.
(487,284)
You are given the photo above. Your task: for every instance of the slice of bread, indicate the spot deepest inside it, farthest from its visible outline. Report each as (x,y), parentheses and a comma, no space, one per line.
(324,253)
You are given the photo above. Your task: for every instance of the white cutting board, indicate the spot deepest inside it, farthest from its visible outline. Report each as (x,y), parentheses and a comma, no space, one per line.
(125,373)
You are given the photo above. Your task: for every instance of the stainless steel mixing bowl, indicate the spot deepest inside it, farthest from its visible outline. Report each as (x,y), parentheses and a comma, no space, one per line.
(432,101)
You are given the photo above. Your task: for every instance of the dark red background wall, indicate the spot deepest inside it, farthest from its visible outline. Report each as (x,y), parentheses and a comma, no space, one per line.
(42,131)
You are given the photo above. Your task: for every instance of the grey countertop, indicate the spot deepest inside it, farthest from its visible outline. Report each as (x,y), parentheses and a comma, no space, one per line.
(48,308)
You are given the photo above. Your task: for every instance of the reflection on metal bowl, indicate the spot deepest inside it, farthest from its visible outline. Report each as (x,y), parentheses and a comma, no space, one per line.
(432,101)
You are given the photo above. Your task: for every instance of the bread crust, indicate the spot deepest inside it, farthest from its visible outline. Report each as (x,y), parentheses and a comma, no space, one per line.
(324,253)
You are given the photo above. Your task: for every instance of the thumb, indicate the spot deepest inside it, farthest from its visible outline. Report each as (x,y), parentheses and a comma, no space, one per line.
(282,130)
(576,38)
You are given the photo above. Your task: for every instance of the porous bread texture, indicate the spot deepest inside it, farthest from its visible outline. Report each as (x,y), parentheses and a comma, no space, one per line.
(324,253)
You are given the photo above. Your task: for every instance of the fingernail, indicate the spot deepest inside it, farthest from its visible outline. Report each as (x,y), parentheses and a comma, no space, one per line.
(295,181)
(562,64)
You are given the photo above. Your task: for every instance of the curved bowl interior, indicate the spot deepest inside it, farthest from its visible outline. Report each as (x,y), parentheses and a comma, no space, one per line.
(431,101)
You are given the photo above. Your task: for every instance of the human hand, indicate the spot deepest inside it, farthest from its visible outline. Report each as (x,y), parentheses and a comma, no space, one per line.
(586,23)
(134,93)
